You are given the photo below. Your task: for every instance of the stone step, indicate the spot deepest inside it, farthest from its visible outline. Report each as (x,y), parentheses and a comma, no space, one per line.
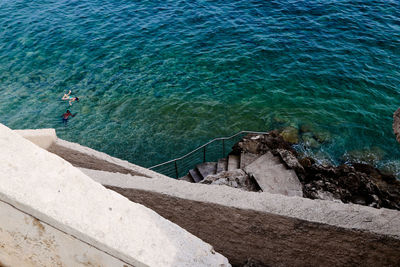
(233,162)
(187,178)
(207,168)
(196,176)
(222,165)
(272,176)
(247,159)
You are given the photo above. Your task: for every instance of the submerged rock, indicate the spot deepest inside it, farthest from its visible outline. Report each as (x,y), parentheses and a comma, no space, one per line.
(309,141)
(306,128)
(322,136)
(290,134)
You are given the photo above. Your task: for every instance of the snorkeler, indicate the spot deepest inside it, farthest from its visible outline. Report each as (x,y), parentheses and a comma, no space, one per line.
(66,116)
(70,98)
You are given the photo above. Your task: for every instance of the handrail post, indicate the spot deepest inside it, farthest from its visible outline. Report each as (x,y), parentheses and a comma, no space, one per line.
(204,154)
(176,170)
(223,147)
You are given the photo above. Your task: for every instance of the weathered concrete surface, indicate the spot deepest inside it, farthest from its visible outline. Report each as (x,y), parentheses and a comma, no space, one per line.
(247,158)
(271,228)
(273,177)
(196,176)
(269,238)
(27,241)
(41,137)
(222,165)
(348,216)
(50,189)
(396,124)
(207,168)
(233,162)
(85,157)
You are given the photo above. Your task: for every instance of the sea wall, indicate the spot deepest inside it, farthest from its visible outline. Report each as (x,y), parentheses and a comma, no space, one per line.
(52,213)
(273,229)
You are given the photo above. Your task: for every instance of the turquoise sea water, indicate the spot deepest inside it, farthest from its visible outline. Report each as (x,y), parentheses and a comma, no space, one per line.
(158,78)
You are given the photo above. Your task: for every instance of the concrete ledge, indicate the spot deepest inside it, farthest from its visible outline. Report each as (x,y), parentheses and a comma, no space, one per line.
(44,138)
(271,228)
(44,186)
(85,157)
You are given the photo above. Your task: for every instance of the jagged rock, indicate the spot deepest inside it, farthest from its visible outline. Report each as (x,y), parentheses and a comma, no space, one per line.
(261,144)
(250,146)
(396,124)
(290,134)
(357,183)
(235,178)
(306,162)
(361,184)
(290,160)
(274,141)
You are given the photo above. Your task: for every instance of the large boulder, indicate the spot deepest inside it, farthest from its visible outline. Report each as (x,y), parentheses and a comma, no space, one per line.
(290,159)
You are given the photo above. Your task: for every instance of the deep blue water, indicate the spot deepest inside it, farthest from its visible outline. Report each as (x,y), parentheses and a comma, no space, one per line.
(158,78)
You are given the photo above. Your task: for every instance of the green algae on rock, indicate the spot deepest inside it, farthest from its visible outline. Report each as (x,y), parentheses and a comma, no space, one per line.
(290,134)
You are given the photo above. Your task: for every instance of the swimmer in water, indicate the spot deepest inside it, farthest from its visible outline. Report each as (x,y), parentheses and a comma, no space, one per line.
(70,98)
(66,116)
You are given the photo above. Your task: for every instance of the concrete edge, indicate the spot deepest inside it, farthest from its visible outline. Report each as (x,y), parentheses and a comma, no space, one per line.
(349,216)
(43,138)
(105,157)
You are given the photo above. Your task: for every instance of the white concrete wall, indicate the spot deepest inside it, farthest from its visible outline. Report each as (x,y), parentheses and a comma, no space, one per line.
(51,190)
(27,241)
(41,137)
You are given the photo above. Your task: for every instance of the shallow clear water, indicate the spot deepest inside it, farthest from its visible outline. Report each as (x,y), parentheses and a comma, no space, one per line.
(158,78)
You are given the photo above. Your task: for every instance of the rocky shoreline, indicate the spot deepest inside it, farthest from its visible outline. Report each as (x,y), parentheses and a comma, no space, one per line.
(357,183)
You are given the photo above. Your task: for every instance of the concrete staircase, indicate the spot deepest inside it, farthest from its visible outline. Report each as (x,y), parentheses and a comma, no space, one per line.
(268,170)
(201,171)
(232,162)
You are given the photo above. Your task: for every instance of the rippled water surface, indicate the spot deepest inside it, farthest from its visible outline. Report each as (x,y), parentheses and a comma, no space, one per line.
(158,78)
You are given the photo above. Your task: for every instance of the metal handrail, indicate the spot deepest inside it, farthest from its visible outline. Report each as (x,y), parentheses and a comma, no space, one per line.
(204,150)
